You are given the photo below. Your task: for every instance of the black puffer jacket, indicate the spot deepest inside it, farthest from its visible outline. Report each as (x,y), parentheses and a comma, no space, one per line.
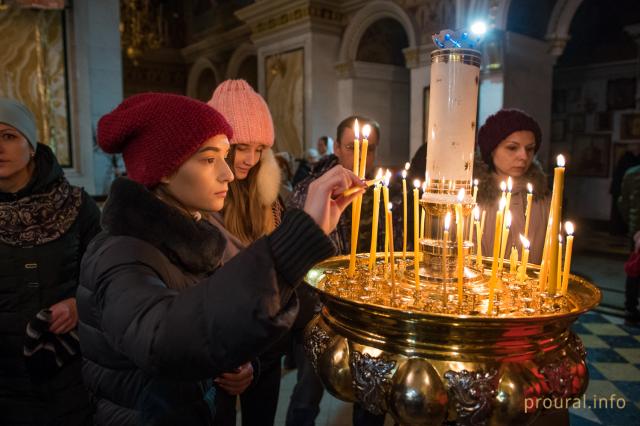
(44,230)
(159,319)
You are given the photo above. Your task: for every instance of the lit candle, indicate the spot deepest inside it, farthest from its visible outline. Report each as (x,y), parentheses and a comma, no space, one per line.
(544,264)
(385,197)
(459,230)
(423,212)
(559,270)
(355,217)
(503,188)
(366,130)
(496,252)
(528,210)
(509,191)
(513,260)
(475,191)
(445,241)
(504,238)
(522,272)
(476,216)
(568,226)
(374,226)
(416,242)
(556,214)
(390,231)
(404,211)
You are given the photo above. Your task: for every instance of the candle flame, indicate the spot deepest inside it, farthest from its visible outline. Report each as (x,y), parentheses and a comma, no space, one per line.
(503,186)
(507,219)
(560,238)
(447,221)
(476,213)
(387,177)
(560,160)
(509,184)
(475,182)
(356,129)
(568,226)
(366,131)
(503,203)
(416,183)
(404,174)
(379,174)
(461,195)
(407,165)
(389,206)
(525,242)
(530,188)
(424,186)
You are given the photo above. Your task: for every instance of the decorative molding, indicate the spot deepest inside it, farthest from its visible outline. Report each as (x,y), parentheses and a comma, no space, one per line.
(238,56)
(370,70)
(473,393)
(371,380)
(315,344)
(559,23)
(196,69)
(212,45)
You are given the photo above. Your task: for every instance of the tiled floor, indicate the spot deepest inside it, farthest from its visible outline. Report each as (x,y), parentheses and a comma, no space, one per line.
(613,358)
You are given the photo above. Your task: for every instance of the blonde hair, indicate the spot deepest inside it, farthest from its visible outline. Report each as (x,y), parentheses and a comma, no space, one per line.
(244,214)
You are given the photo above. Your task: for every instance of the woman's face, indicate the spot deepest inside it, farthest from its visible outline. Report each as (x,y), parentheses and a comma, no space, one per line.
(513,156)
(244,158)
(201,183)
(15,152)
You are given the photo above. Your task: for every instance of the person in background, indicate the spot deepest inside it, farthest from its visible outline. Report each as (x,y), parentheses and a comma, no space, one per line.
(324,146)
(285,161)
(629,206)
(629,159)
(252,210)
(508,142)
(45,227)
(307,393)
(160,317)
(305,165)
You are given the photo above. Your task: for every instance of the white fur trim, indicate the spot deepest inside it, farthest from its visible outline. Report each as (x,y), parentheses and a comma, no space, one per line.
(269,178)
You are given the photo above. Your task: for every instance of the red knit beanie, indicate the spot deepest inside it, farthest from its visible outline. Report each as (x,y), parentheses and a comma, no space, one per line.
(157,132)
(500,125)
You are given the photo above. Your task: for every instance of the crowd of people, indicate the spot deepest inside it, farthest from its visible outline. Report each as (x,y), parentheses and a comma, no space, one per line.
(183,294)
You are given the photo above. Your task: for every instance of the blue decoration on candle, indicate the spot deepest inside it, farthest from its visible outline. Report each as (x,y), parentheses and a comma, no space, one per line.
(455,39)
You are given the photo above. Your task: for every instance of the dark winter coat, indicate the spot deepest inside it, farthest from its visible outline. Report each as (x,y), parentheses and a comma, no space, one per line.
(159,318)
(44,230)
(489,195)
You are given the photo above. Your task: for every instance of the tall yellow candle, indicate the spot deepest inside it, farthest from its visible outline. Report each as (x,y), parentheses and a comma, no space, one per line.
(459,238)
(496,252)
(475,190)
(567,257)
(445,242)
(527,214)
(374,225)
(355,216)
(556,213)
(559,265)
(504,239)
(544,264)
(366,130)
(392,255)
(476,216)
(404,211)
(416,238)
(522,271)
(385,198)
(509,190)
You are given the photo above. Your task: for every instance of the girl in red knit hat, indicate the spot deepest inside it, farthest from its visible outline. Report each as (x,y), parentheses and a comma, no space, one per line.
(508,142)
(160,317)
(252,210)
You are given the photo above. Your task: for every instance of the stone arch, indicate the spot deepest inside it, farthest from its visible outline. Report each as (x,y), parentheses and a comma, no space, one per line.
(239,55)
(365,17)
(559,24)
(200,69)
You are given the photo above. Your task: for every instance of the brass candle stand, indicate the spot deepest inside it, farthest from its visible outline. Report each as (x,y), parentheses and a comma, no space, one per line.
(415,351)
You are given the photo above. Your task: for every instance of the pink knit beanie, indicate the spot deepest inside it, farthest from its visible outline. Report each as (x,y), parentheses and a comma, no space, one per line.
(246,111)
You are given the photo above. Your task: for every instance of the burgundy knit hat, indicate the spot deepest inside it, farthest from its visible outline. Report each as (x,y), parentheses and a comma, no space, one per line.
(500,125)
(157,132)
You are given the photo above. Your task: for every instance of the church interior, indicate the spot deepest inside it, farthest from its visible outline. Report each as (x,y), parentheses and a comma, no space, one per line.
(573,65)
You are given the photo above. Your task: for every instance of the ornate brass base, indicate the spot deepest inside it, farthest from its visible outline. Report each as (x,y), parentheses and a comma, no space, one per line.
(427,368)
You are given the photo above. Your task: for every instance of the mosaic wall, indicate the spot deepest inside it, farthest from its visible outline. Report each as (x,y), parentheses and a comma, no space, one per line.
(33,71)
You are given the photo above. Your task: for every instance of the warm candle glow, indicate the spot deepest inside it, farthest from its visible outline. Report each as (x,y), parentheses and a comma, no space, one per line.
(387,178)
(447,221)
(356,129)
(522,271)
(568,227)
(416,184)
(476,182)
(366,131)
(560,161)
(476,213)
(461,195)
(507,219)
(503,203)
(525,242)
(529,188)
(407,165)
(509,184)
(404,174)
(503,186)
(424,186)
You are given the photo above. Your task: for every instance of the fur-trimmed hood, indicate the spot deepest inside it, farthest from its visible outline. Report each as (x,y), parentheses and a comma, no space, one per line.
(132,210)
(489,188)
(269,178)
